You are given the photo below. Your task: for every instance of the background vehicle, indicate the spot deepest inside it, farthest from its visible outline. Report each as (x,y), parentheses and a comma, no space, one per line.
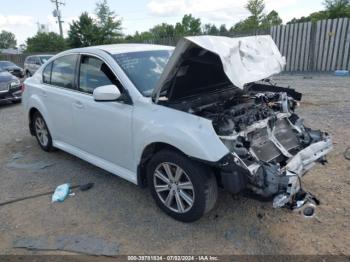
(10,87)
(182,122)
(32,63)
(12,68)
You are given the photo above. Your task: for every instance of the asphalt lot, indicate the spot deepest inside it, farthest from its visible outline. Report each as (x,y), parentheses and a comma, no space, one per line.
(122,214)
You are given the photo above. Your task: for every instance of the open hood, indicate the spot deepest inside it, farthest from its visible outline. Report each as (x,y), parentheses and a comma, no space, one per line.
(214,60)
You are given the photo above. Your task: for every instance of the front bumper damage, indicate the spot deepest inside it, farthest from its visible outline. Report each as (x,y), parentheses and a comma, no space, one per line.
(278,179)
(294,197)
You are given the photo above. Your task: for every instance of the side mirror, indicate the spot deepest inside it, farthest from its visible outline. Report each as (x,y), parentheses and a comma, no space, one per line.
(106,93)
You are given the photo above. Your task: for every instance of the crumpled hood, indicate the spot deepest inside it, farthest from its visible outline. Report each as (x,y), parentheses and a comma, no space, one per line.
(244,59)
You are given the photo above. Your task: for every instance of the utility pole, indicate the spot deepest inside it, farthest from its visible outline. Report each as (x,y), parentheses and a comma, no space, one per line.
(57,13)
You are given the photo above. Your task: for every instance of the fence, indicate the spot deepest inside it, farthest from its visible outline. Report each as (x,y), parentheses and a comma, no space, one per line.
(314,47)
(17,59)
(308,47)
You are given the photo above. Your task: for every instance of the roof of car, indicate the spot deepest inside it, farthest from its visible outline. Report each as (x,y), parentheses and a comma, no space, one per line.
(128,48)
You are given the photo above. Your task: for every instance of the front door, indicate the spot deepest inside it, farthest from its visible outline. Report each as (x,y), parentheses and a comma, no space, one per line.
(103,129)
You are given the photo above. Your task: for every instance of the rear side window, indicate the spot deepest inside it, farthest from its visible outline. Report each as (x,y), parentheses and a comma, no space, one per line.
(63,71)
(47,74)
(94,73)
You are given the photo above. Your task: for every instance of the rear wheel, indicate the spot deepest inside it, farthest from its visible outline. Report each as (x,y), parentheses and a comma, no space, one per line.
(28,74)
(42,133)
(182,188)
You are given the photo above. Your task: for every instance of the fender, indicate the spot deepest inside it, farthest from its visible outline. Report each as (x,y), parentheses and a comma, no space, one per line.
(193,135)
(34,101)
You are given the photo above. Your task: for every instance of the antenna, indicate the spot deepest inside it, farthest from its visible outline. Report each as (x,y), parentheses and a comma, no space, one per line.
(57,13)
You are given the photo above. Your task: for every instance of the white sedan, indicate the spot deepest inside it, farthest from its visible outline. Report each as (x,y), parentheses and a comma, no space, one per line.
(181,121)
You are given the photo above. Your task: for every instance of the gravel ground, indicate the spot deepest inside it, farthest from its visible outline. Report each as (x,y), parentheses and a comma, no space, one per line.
(122,213)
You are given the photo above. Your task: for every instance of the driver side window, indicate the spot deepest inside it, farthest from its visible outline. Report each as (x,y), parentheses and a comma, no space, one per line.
(94,73)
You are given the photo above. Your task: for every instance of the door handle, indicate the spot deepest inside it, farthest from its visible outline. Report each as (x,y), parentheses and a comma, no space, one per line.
(78,104)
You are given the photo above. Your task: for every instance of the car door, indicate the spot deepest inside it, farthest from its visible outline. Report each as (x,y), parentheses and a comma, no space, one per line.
(103,129)
(58,95)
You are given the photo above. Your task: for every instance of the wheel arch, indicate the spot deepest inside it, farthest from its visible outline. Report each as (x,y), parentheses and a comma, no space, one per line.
(147,154)
(31,113)
(154,147)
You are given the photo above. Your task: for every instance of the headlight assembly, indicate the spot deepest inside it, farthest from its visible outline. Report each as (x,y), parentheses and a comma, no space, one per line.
(15,83)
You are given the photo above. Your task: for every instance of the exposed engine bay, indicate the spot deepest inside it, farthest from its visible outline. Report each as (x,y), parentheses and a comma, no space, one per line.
(270,146)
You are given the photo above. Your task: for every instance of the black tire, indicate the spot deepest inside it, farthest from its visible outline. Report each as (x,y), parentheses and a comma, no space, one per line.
(47,146)
(16,101)
(28,74)
(202,178)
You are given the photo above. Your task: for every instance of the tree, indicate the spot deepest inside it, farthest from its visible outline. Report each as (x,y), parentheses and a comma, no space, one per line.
(46,42)
(83,32)
(188,26)
(272,19)
(334,9)
(163,30)
(337,8)
(210,29)
(110,27)
(7,40)
(223,30)
(256,8)
(258,19)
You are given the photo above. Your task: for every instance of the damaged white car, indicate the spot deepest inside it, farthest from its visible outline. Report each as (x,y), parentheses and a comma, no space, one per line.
(181,121)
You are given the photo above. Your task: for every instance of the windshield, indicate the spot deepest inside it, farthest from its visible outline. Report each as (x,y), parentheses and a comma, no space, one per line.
(4,64)
(43,59)
(144,68)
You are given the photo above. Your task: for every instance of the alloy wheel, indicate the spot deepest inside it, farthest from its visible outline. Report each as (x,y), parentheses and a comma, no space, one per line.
(41,131)
(174,187)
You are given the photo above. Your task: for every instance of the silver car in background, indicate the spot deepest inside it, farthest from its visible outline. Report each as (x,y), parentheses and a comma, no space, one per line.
(33,63)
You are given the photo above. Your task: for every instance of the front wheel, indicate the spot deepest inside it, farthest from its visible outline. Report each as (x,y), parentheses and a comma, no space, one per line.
(182,188)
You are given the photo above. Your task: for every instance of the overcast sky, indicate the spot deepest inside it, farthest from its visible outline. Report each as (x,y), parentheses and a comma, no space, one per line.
(21,16)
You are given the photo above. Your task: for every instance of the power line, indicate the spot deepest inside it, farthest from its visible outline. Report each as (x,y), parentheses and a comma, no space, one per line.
(57,13)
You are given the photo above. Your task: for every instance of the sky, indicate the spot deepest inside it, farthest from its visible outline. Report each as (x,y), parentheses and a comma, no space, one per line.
(22,16)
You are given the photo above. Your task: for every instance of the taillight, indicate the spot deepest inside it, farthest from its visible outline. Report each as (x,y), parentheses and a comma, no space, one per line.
(22,87)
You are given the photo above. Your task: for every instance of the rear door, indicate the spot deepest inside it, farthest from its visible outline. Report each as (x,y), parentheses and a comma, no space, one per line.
(103,128)
(58,93)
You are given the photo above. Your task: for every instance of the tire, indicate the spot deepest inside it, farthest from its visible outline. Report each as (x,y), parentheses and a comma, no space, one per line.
(28,74)
(204,186)
(16,101)
(42,132)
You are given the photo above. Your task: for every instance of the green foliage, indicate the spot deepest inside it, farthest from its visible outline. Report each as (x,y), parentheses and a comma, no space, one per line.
(257,20)
(162,30)
(7,40)
(334,9)
(272,19)
(86,31)
(337,8)
(256,8)
(109,26)
(190,25)
(46,42)
(210,29)
(83,32)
